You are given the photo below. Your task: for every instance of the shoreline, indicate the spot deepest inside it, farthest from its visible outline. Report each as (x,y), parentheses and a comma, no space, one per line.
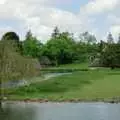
(111,101)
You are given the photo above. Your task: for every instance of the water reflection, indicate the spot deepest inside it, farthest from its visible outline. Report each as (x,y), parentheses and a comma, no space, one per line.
(68,111)
(17,112)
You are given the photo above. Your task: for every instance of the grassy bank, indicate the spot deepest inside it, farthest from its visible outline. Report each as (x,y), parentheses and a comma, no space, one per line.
(89,85)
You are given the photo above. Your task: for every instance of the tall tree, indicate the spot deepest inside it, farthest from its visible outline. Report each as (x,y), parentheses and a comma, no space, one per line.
(29,35)
(119,38)
(56,32)
(110,39)
(31,46)
(60,50)
(87,38)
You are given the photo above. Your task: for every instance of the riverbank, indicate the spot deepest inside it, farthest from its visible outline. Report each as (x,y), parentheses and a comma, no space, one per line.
(87,86)
(115,100)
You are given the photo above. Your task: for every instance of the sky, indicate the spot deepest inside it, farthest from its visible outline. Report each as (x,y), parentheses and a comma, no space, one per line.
(99,17)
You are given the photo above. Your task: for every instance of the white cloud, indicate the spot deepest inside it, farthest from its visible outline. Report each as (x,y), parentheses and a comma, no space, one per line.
(41,16)
(2,1)
(115,30)
(113,19)
(5,29)
(106,14)
(99,6)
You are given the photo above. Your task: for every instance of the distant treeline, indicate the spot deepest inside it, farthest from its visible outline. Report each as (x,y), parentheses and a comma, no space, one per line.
(63,48)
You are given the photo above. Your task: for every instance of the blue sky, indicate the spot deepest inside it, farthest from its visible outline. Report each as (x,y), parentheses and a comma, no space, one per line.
(41,16)
(73,5)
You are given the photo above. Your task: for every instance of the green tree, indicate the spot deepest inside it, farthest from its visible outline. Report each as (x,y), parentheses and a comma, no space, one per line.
(81,54)
(111,56)
(56,32)
(87,47)
(60,50)
(31,46)
(29,35)
(87,38)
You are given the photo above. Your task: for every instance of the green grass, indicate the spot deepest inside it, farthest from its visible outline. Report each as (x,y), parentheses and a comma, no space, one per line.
(79,85)
(67,68)
(75,66)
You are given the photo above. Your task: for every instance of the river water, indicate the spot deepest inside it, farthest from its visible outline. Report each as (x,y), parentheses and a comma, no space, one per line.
(60,111)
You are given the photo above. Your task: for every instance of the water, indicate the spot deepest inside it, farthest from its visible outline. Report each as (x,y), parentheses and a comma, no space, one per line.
(62,111)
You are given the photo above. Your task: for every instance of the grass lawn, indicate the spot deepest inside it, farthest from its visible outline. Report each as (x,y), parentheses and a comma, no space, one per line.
(82,85)
(75,66)
(67,68)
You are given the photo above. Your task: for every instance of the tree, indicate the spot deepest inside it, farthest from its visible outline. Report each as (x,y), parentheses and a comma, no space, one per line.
(29,35)
(87,38)
(110,39)
(31,46)
(13,66)
(44,61)
(88,45)
(60,50)
(80,51)
(55,33)
(111,56)
(12,36)
(119,39)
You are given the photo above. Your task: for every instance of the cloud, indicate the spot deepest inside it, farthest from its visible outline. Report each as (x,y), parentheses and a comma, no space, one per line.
(41,16)
(113,19)
(65,2)
(115,30)
(99,6)
(2,2)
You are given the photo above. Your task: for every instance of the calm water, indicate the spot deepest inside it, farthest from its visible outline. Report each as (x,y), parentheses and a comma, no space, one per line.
(67,111)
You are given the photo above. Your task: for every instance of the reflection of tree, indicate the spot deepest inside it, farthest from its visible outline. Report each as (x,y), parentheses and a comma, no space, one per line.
(17,112)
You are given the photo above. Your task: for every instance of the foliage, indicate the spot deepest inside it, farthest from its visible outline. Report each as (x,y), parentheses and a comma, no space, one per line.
(55,33)
(87,38)
(45,61)
(14,39)
(13,66)
(31,46)
(60,49)
(111,56)
(11,36)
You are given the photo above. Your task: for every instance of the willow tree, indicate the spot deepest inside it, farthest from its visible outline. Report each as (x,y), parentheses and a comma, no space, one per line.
(13,66)
(14,38)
